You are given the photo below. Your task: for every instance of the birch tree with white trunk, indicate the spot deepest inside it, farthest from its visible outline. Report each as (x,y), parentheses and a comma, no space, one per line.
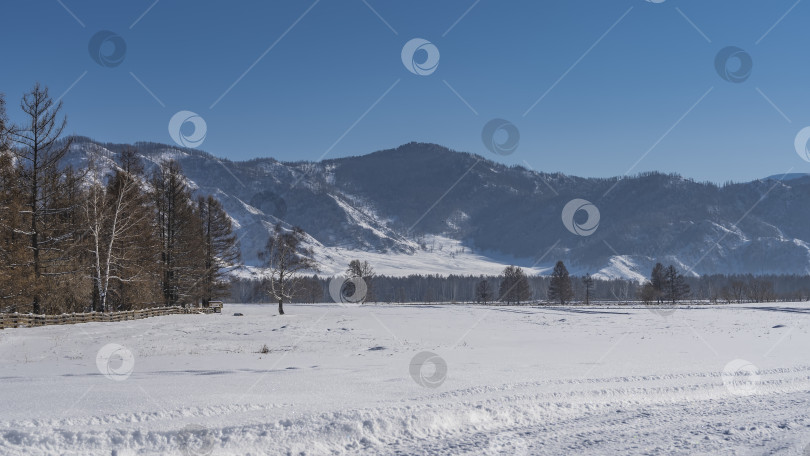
(115,217)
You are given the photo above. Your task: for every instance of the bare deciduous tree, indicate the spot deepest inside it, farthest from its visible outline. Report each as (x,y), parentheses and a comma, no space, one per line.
(483,292)
(39,152)
(5,127)
(363,270)
(116,217)
(647,293)
(287,258)
(587,282)
(15,276)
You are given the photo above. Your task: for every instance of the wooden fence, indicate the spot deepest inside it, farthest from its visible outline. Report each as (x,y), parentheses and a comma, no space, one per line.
(16,320)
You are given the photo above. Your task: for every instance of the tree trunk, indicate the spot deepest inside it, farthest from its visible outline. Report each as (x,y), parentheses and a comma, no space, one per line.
(280,307)
(35,236)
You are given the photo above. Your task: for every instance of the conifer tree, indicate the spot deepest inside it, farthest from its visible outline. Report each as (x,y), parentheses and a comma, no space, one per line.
(559,288)
(220,248)
(180,235)
(675,286)
(39,152)
(514,286)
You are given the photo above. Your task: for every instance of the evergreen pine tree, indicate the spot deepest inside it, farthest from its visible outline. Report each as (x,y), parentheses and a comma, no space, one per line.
(560,287)
(675,286)
(514,286)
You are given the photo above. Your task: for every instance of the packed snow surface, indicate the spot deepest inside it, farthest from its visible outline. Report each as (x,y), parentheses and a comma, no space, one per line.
(356,380)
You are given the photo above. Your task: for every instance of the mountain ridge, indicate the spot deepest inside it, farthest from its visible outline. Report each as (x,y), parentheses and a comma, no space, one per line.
(395,206)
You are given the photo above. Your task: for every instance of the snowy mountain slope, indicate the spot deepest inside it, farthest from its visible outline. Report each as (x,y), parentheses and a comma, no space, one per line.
(442,256)
(387,206)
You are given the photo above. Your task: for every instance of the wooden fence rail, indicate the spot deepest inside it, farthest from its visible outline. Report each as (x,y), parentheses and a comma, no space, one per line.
(16,320)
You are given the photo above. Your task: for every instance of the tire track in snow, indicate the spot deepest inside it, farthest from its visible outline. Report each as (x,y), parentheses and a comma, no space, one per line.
(577,420)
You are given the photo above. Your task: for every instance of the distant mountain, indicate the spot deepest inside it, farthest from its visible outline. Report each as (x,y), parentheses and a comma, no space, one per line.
(787,177)
(422,208)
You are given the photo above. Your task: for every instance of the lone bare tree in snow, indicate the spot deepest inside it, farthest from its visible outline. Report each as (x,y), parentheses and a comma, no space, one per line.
(287,259)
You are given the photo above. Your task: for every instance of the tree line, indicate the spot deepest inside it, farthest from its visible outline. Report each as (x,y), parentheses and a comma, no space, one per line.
(110,236)
(434,288)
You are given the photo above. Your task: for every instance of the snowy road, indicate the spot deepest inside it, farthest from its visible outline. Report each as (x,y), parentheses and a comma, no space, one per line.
(497,380)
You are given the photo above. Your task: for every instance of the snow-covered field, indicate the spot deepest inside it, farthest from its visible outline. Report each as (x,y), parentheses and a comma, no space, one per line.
(357,380)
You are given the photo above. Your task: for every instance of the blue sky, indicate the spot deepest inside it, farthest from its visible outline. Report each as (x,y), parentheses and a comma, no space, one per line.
(623,79)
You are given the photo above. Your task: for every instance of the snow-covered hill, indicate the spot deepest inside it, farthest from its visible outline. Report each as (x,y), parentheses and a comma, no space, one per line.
(407,211)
